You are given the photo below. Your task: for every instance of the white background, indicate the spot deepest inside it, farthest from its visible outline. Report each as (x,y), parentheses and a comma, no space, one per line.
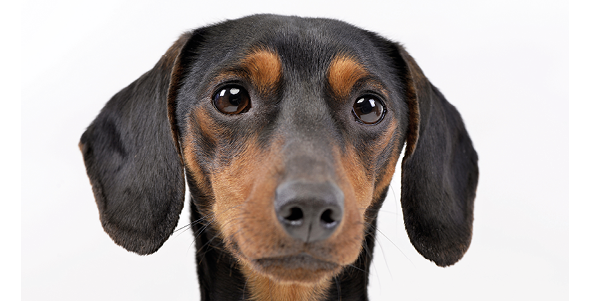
(503,64)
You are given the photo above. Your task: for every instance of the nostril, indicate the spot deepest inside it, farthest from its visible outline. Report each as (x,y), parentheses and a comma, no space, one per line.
(330,217)
(327,216)
(294,215)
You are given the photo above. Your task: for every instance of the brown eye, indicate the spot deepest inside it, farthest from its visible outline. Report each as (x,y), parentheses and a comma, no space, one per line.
(368,109)
(232,99)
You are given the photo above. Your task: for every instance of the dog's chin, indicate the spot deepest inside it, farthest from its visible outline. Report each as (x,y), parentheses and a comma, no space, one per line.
(301,269)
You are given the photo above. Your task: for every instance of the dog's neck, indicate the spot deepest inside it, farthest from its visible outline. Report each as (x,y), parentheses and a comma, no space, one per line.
(220,276)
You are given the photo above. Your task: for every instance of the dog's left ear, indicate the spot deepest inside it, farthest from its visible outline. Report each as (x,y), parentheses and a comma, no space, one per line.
(133,160)
(439,170)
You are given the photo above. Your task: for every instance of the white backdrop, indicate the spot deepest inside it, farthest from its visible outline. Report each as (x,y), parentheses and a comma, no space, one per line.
(503,64)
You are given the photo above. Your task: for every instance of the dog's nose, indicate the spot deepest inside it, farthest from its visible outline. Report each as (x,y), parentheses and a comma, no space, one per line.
(309,211)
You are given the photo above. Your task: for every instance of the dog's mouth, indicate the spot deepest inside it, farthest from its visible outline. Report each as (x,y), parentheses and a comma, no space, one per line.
(295,263)
(296,268)
(300,261)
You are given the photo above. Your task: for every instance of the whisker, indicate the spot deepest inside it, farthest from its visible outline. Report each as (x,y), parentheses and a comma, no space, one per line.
(339,290)
(357,268)
(208,243)
(193,222)
(369,255)
(245,286)
(204,228)
(377,241)
(382,233)
(206,217)
(404,255)
(379,210)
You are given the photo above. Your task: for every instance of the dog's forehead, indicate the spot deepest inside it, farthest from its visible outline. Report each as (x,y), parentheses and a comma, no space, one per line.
(303,44)
(314,32)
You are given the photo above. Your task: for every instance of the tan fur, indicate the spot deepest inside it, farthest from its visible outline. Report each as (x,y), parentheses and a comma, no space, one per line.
(389,169)
(343,73)
(233,187)
(358,196)
(263,288)
(191,160)
(208,127)
(264,69)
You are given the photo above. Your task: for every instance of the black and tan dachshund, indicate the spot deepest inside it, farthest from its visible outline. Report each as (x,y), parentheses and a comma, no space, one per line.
(288,130)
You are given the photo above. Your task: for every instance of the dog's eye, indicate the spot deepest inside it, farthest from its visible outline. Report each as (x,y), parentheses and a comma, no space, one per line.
(232,99)
(368,109)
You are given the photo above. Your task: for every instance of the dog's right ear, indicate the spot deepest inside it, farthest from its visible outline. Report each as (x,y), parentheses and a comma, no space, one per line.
(132,158)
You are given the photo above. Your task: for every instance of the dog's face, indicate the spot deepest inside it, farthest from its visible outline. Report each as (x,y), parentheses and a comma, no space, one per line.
(293,138)
(289,131)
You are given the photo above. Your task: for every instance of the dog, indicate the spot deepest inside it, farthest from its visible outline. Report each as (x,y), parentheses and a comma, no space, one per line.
(286,131)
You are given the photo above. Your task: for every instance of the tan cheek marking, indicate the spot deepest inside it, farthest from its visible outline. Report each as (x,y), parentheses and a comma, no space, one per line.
(362,182)
(259,231)
(343,73)
(389,169)
(232,187)
(359,180)
(264,69)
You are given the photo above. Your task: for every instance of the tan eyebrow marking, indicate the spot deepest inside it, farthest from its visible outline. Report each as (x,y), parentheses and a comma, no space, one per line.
(264,69)
(261,66)
(343,73)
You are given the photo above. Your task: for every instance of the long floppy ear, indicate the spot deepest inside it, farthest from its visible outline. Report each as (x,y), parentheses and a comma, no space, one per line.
(439,172)
(133,163)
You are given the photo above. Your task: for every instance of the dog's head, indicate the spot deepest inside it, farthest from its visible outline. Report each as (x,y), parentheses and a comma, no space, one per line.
(289,131)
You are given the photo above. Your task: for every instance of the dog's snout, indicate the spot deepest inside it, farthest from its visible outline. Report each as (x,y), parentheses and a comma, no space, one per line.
(309,211)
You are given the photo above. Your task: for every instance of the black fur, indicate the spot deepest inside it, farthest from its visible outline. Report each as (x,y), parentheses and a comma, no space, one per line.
(133,156)
(133,166)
